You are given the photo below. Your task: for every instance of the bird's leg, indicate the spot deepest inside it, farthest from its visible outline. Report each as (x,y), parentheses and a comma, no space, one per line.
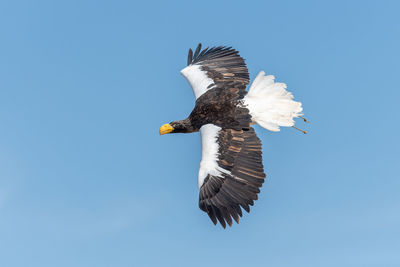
(304,132)
(305,120)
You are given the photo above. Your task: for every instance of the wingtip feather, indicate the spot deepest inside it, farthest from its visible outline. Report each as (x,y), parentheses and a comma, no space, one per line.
(190,56)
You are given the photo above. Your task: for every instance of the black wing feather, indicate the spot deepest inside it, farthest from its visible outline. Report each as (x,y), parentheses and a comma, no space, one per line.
(222,198)
(190,56)
(196,53)
(221,63)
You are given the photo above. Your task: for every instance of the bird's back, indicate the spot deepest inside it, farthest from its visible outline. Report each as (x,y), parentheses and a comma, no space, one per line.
(222,107)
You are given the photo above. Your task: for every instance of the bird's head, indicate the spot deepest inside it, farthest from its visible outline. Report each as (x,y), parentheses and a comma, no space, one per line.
(183,126)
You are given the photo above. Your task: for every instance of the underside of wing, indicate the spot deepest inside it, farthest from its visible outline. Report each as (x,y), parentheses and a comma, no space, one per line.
(231,173)
(212,66)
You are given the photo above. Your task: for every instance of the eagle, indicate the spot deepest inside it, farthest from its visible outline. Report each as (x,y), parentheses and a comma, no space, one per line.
(231,170)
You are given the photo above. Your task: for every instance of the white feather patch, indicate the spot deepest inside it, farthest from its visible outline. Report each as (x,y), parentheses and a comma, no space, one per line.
(198,79)
(209,153)
(270,105)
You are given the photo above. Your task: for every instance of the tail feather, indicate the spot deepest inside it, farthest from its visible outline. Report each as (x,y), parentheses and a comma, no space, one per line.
(270,105)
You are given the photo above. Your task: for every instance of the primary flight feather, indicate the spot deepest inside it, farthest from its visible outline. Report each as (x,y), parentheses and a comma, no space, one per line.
(231,171)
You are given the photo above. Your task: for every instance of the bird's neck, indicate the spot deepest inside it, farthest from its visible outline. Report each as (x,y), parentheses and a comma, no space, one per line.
(185,126)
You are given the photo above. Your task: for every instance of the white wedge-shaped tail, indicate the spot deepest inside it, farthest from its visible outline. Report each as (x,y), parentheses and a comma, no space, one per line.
(270,105)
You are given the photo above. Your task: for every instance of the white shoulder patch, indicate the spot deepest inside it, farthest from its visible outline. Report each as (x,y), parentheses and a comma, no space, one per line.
(209,153)
(198,79)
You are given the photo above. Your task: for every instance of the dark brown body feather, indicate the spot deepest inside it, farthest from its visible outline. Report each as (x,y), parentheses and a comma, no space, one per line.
(222,106)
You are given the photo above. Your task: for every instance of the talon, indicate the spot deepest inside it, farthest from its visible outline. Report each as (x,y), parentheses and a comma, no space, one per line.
(305,120)
(304,132)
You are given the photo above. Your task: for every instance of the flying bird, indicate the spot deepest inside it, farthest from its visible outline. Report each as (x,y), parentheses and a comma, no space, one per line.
(231,171)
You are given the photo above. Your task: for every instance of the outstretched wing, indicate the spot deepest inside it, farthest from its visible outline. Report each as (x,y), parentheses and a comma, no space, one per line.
(211,67)
(231,172)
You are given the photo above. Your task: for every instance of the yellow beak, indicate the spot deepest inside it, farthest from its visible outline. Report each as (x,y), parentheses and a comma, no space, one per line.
(166,128)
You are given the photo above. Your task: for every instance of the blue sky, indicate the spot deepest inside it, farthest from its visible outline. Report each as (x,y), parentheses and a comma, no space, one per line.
(85,179)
